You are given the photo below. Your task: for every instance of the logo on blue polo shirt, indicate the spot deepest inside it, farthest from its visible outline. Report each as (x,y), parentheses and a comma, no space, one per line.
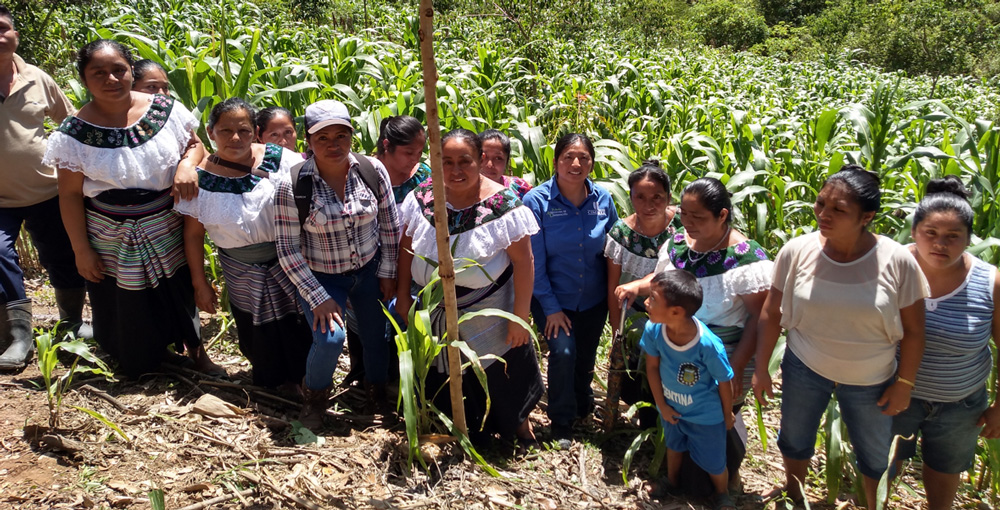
(597,210)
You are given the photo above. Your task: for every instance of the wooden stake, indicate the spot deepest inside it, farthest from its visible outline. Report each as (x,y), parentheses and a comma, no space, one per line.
(446,266)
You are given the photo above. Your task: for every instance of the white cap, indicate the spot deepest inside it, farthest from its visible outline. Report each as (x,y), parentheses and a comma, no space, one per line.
(327,113)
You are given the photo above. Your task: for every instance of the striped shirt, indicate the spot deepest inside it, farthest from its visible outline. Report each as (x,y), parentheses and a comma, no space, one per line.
(337,236)
(957,358)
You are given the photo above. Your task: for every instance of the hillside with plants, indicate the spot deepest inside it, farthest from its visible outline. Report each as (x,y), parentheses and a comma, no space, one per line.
(647,79)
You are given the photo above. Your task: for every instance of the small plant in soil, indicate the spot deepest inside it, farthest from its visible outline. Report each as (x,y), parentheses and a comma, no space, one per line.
(56,387)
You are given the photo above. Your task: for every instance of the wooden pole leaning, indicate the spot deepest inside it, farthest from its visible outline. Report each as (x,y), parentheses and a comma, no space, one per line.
(446,266)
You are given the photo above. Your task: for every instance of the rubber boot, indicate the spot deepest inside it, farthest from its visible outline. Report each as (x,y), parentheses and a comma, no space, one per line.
(70,305)
(4,329)
(314,404)
(22,341)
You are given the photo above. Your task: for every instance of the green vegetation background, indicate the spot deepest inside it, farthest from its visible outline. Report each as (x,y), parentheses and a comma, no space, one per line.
(768,96)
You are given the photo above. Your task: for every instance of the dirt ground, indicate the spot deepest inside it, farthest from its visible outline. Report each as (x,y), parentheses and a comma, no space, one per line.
(239,451)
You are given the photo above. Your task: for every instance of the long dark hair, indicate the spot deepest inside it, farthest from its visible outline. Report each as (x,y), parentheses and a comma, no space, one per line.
(651,170)
(712,195)
(945,195)
(232,104)
(398,130)
(86,54)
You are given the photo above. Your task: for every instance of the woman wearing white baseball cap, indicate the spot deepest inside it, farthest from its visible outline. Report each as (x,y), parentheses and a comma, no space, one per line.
(338,239)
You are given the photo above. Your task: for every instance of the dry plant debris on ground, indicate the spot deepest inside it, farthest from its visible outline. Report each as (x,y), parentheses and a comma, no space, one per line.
(225,444)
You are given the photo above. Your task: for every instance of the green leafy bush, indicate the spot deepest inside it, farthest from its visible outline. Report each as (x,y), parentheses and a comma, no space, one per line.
(728,23)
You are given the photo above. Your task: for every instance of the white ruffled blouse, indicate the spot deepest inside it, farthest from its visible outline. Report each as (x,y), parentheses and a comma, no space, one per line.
(746,271)
(239,211)
(141,156)
(484,232)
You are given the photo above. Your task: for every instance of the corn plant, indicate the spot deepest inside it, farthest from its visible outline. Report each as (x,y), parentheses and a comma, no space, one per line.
(57,386)
(419,349)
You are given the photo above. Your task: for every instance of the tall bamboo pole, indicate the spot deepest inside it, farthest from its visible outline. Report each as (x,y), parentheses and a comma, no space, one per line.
(446,266)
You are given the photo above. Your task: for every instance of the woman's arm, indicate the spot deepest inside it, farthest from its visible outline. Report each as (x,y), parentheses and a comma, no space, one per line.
(186,175)
(404,275)
(896,397)
(768,331)
(88,263)
(524,280)
(194,252)
(990,420)
(614,306)
(288,229)
(747,346)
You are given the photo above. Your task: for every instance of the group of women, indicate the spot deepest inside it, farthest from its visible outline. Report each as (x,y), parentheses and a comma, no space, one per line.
(312,244)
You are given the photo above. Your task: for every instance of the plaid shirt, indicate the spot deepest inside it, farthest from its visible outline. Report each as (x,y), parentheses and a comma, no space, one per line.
(338,236)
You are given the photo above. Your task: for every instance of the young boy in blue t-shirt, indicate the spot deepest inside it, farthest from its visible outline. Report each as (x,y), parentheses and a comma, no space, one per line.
(689,364)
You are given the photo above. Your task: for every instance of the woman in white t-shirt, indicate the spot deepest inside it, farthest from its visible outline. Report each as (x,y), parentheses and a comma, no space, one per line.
(847,298)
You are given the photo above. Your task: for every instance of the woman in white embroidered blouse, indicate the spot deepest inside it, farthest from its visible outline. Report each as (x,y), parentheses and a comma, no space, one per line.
(119,161)
(236,207)
(488,224)
(848,299)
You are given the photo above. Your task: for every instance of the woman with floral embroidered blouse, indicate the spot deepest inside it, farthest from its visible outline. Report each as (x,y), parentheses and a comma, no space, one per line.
(236,206)
(488,224)
(118,160)
(633,243)
(735,275)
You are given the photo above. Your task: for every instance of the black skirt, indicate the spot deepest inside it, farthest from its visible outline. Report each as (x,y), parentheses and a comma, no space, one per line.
(515,389)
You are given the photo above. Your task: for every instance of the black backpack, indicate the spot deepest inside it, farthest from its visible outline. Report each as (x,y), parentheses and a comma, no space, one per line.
(302,189)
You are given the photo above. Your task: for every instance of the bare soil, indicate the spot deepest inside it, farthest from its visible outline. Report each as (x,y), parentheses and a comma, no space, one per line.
(247,456)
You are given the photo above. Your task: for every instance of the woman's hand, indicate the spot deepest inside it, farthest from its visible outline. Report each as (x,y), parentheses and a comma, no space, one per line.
(626,292)
(895,399)
(556,321)
(388,288)
(517,335)
(205,297)
(185,181)
(326,315)
(89,265)
(990,421)
(763,386)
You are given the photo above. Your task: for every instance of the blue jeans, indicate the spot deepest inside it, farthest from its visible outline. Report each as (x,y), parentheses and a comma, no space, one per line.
(48,235)
(571,362)
(804,399)
(362,288)
(949,431)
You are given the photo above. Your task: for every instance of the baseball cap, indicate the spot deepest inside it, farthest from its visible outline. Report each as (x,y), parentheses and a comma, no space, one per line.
(326,113)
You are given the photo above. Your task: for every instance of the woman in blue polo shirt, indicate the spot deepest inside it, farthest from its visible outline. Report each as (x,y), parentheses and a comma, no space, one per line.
(570,303)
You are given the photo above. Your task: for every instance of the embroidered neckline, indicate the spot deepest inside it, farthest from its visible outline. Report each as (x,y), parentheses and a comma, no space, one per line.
(422,174)
(714,262)
(464,220)
(132,136)
(239,185)
(639,244)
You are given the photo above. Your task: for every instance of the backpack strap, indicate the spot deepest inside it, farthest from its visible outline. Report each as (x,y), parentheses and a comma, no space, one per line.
(368,175)
(302,190)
